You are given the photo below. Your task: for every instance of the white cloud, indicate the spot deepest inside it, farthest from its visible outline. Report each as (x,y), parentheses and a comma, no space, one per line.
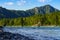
(21,2)
(44,1)
(9,3)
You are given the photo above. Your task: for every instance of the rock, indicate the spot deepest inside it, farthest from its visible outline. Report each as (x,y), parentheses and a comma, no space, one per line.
(11,36)
(1,28)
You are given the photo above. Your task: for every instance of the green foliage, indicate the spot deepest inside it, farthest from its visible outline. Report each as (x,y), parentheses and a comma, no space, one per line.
(42,19)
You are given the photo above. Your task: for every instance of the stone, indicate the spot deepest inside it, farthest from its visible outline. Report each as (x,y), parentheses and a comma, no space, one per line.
(11,36)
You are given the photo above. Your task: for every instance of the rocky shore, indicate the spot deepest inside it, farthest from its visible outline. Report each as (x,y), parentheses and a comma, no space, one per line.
(11,36)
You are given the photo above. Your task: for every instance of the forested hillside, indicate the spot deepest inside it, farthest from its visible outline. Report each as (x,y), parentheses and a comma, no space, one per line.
(39,19)
(39,16)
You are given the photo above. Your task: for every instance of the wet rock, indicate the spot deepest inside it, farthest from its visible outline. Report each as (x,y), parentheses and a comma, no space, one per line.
(11,36)
(1,28)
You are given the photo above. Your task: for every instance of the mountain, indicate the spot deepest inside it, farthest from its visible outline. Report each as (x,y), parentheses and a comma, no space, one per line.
(20,13)
(5,13)
(43,9)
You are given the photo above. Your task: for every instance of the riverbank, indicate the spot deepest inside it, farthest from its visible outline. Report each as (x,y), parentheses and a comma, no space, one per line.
(11,36)
(35,26)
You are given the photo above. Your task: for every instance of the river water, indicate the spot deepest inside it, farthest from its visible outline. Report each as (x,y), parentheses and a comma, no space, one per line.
(40,33)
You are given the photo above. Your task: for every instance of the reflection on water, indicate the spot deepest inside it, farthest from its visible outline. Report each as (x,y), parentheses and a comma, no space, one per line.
(37,33)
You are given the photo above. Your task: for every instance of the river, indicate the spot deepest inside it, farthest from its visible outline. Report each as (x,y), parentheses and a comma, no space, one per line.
(40,33)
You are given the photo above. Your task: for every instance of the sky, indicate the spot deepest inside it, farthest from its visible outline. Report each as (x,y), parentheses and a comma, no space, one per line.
(28,4)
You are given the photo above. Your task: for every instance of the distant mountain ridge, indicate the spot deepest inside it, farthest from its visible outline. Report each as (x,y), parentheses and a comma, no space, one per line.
(43,9)
(5,13)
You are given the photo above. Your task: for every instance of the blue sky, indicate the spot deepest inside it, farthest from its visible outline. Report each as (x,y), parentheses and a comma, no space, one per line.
(28,4)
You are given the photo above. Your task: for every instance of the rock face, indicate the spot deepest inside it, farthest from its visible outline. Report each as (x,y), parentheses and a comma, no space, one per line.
(11,36)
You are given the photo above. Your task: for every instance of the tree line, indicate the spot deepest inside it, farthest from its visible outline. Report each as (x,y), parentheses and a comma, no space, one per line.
(44,19)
